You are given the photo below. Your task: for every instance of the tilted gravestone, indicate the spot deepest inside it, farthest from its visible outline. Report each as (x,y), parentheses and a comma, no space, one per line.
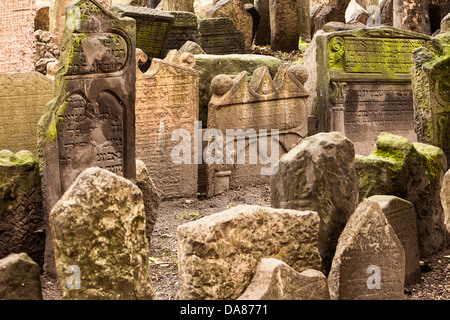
(23,97)
(167,100)
(17,36)
(178,5)
(184,28)
(152,30)
(362,85)
(431,87)
(255,109)
(90,121)
(369,263)
(220,36)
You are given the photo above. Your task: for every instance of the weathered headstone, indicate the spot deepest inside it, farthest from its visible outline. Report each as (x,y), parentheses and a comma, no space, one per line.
(42,19)
(304,22)
(218,254)
(255,108)
(191,47)
(412,15)
(431,87)
(319,174)
(17,36)
(369,263)
(402,217)
(178,5)
(152,30)
(90,121)
(19,278)
(445,201)
(21,206)
(262,37)
(275,280)
(57,17)
(184,28)
(362,85)
(284,29)
(23,97)
(167,100)
(325,15)
(235,11)
(411,171)
(220,36)
(101,249)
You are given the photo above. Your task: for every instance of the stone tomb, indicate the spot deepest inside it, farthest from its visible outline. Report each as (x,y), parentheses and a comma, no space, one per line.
(152,30)
(23,97)
(167,100)
(184,28)
(90,121)
(256,108)
(363,83)
(220,36)
(17,36)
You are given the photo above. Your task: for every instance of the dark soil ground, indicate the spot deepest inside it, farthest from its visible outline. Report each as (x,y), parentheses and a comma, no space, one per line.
(435,283)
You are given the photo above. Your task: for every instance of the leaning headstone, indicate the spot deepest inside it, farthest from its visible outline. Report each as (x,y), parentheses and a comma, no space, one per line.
(90,121)
(262,37)
(250,8)
(166,101)
(304,22)
(101,249)
(255,109)
(58,17)
(402,218)
(445,201)
(412,15)
(152,30)
(369,263)
(218,254)
(19,278)
(21,206)
(191,47)
(235,11)
(275,280)
(178,5)
(220,36)
(319,175)
(284,20)
(325,15)
(431,88)
(23,97)
(184,28)
(17,36)
(411,171)
(363,83)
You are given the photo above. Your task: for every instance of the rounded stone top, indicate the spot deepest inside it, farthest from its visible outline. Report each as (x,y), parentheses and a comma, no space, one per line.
(299,72)
(24,157)
(221,84)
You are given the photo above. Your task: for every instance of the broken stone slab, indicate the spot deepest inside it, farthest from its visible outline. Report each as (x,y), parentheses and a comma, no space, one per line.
(99,236)
(218,254)
(19,278)
(411,171)
(402,218)
(319,175)
(369,263)
(275,280)
(191,47)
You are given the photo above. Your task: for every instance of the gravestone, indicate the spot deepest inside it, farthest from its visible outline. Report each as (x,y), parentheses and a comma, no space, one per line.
(411,15)
(319,174)
(90,121)
(219,36)
(23,97)
(262,37)
(17,36)
(362,83)
(178,5)
(402,217)
(369,263)
(21,206)
(431,88)
(445,201)
(152,30)
(98,229)
(167,100)
(218,254)
(256,108)
(42,19)
(284,21)
(184,28)
(304,22)
(57,17)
